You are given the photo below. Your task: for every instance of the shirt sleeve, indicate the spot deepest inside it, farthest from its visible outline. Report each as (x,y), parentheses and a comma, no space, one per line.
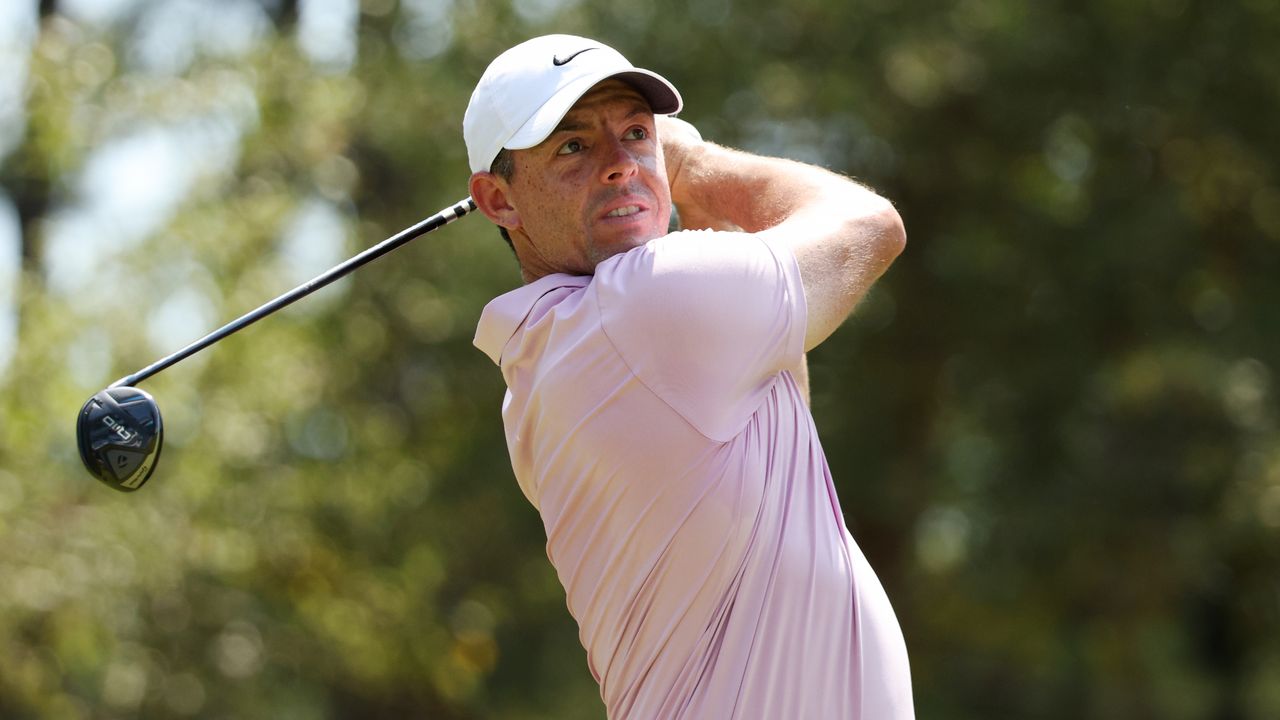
(706,320)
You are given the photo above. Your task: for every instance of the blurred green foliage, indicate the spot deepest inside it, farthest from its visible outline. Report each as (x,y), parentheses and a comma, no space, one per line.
(1053,424)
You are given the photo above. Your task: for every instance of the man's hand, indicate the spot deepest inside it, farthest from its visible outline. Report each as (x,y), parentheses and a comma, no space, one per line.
(680,141)
(678,138)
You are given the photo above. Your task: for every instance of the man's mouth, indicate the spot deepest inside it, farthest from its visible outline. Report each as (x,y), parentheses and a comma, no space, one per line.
(624,211)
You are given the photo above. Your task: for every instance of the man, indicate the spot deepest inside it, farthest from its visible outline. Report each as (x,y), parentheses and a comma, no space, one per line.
(653,414)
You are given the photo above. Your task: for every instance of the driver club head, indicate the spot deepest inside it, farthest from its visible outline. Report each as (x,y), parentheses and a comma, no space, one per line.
(119,433)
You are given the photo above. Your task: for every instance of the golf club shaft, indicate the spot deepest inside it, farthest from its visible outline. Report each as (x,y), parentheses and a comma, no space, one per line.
(440,219)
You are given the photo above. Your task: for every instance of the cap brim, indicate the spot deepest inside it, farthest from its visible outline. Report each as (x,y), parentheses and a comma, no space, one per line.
(663,99)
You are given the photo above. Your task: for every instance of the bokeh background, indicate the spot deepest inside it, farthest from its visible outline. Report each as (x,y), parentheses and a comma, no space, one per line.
(1053,424)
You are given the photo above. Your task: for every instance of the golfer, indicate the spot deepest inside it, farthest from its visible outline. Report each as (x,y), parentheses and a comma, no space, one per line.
(656,411)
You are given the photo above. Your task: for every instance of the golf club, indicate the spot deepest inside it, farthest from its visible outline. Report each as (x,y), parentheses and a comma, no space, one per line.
(119,430)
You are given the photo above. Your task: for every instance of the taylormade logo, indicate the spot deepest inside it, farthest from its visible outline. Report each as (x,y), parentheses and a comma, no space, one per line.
(119,428)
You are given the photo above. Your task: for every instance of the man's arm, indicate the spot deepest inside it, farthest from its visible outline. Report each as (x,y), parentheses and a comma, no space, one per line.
(843,235)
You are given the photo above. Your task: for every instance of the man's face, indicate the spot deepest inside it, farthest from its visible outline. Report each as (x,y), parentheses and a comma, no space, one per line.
(596,187)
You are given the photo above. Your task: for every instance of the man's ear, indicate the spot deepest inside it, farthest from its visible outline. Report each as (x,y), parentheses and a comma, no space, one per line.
(490,193)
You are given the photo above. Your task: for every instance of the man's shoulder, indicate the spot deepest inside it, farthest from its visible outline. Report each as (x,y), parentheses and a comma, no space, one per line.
(705,320)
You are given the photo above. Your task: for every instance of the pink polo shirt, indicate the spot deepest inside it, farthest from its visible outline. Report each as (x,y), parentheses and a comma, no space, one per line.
(653,422)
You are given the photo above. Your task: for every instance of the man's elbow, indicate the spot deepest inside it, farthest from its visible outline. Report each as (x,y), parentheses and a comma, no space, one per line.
(875,233)
(891,234)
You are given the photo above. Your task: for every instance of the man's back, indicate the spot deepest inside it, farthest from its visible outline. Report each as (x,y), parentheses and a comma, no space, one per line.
(689,511)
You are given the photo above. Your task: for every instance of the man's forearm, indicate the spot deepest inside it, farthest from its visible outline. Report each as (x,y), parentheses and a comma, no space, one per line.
(718,187)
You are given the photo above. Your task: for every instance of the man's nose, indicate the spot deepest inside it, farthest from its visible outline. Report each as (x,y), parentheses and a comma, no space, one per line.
(620,163)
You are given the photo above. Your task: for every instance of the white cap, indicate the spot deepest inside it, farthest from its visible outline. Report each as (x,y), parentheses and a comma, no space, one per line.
(527,90)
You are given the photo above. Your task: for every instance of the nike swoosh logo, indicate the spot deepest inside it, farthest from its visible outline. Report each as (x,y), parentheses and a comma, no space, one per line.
(555,59)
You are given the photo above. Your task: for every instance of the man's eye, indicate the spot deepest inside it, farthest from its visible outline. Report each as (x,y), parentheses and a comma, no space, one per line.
(637,133)
(570,147)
